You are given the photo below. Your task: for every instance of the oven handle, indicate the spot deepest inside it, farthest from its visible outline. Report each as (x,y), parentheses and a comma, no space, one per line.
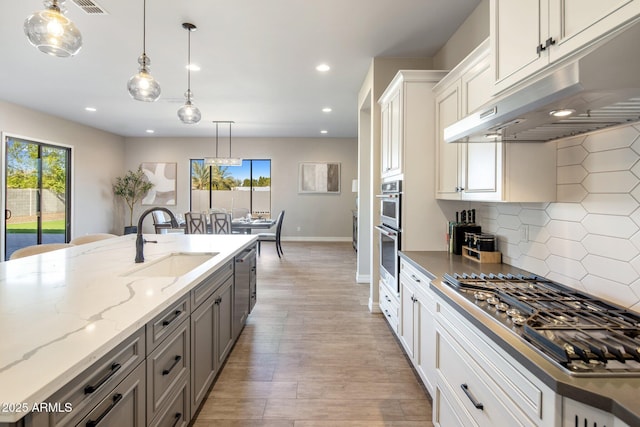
(386,231)
(388,196)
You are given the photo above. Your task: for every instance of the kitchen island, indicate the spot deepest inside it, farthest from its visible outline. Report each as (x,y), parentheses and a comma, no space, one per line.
(62,311)
(618,395)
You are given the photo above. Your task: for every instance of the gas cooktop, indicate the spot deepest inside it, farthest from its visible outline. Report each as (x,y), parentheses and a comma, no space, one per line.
(582,334)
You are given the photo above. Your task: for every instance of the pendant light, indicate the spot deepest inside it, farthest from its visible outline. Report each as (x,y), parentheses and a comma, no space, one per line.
(223,161)
(189,113)
(142,86)
(52,32)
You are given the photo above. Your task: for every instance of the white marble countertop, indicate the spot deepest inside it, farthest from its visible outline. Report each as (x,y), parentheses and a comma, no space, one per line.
(60,311)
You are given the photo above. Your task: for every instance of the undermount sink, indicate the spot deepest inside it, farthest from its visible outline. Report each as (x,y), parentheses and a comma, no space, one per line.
(172,265)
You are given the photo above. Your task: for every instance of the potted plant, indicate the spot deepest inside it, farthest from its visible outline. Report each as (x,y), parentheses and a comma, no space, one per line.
(132,187)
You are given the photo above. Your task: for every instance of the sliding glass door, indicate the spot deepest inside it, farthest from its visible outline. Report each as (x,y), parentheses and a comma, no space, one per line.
(37,194)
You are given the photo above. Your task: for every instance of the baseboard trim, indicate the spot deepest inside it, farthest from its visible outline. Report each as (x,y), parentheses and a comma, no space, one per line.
(363,278)
(315,239)
(374,307)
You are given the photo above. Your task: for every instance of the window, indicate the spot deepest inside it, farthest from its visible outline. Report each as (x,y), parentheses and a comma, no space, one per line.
(236,189)
(37,194)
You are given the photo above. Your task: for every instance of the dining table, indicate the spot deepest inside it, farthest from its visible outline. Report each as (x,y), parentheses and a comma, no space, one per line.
(243,225)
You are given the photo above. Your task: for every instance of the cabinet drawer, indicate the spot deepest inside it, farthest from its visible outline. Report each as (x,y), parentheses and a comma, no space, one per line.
(447,414)
(464,379)
(166,322)
(201,292)
(124,406)
(506,375)
(390,307)
(167,366)
(176,411)
(93,385)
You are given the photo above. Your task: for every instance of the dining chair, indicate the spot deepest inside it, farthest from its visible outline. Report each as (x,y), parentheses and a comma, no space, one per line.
(38,249)
(273,237)
(220,223)
(88,238)
(195,222)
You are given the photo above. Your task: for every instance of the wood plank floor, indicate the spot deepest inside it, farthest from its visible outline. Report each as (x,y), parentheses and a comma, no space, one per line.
(312,355)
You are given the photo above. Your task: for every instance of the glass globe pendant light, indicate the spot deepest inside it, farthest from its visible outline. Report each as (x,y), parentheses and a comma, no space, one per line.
(189,113)
(52,32)
(142,86)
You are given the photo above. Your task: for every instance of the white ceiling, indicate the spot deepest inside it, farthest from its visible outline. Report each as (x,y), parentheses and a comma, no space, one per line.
(258,61)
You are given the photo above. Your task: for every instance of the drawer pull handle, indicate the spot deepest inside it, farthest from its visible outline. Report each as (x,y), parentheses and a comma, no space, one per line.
(413,276)
(173,365)
(176,314)
(473,400)
(116,398)
(218,301)
(178,417)
(92,388)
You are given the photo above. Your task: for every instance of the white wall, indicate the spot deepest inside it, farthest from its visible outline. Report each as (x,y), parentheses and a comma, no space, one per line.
(318,216)
(97,158)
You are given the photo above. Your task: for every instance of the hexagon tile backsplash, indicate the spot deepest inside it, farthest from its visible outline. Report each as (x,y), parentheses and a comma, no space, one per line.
(590,238)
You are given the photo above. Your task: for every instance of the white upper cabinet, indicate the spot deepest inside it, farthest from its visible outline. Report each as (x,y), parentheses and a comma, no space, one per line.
(392,137)
(528,35)
(489,171)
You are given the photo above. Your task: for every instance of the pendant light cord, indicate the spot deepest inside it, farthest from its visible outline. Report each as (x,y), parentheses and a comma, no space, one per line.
(144,27)
(189,65)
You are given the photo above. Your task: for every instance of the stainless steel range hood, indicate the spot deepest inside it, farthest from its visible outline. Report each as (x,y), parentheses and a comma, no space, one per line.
(602,86)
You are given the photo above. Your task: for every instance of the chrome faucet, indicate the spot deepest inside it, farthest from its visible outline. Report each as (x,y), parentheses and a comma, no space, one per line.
(140,240)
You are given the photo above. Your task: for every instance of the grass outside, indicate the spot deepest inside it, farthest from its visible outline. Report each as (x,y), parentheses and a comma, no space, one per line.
(49,227)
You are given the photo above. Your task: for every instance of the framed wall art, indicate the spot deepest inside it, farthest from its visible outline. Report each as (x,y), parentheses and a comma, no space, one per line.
(163,178)
(319,177)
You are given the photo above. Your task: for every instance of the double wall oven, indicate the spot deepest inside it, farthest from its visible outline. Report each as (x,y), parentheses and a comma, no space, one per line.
(390,230)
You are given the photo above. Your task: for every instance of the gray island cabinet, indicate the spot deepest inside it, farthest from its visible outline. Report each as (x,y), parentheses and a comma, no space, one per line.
(160,374)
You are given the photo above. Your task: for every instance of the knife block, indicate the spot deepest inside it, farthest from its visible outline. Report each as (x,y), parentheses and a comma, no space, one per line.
(458,236)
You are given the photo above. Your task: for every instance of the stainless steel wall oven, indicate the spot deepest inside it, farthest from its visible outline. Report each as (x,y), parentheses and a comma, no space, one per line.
(390,233)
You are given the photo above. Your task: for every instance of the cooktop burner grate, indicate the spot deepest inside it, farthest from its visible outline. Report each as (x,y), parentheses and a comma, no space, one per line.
(581,333)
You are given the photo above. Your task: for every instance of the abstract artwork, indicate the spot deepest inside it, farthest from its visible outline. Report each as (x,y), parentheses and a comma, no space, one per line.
(319,178)
(163,178)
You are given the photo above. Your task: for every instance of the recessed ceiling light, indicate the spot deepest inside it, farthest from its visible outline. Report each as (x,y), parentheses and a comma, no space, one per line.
(324,131)
(192,67)
(562,113)
(92,109)
(150,131)
(323,68)
(327,110)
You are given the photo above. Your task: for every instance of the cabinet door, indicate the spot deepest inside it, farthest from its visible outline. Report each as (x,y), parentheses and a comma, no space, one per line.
(391,137)
(426,343)
(576,23)
(203,351)
(395,138)
(224,320)
(407,313)
(447,175)
(482,173)
(517,28)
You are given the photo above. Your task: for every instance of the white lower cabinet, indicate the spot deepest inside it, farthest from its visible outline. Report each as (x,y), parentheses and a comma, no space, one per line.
(416,329)
(482,382)
(389,306)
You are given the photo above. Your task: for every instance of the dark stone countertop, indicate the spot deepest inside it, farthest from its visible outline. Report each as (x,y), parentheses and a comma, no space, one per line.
(619,396)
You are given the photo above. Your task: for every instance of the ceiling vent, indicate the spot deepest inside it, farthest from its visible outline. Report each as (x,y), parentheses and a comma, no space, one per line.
(90,7)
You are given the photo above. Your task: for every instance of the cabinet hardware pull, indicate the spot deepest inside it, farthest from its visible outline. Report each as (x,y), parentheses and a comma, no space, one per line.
(540,48)
(173,365)
(176,314)
(549,42)
(112,370)
(413,276)
(218,301)
(178,417)
(473,400)
(115,399)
